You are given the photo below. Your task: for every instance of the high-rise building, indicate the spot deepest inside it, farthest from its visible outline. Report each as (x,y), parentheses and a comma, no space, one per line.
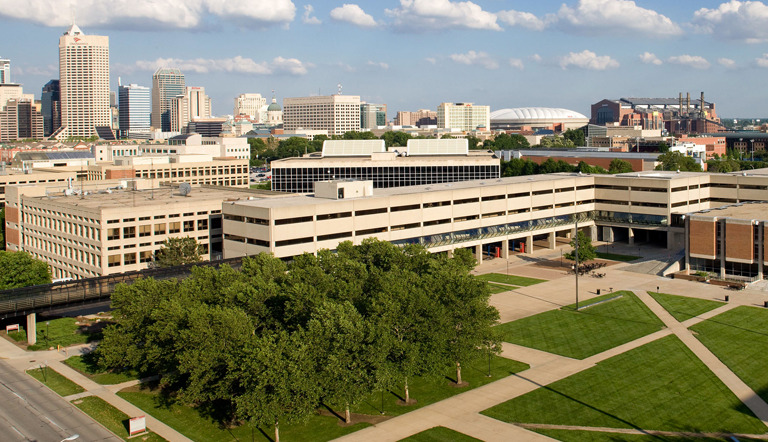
(372,115)
(336,114)
(21,119)
(5,71)
(84,83)
(463,116)
(199,103)
(167,83)
(249,104)
(50,101)
(135,111)
(422,117)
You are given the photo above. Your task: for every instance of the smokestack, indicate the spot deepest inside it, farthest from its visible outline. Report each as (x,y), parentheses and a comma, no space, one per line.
(702,113)
(687,103)
(680,107)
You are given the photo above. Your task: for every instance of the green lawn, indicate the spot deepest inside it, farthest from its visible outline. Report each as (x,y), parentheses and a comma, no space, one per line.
(520,281)
(498,288)
(439,434)
(683,307)
(115,420)
(87,366)
(739,338)
(320,428)
(430,390)
(56,382)
(589,331)
(593,436)
(62,331)
(659,386)
(617,257)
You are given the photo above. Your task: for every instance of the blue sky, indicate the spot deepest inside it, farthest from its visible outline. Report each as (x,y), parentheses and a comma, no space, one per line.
(413,54)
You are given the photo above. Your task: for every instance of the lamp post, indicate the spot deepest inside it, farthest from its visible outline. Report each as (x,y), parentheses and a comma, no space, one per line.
(752,150)
(576,254)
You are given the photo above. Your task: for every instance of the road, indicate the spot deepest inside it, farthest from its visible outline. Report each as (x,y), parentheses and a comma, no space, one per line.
(30,411)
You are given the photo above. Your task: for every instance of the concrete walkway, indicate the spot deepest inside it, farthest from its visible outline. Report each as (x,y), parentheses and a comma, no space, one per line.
(24,360)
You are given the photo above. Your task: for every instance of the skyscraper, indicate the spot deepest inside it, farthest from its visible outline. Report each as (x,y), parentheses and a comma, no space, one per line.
(249,104)
(463,116)
(135,111)
(167,83)
(5,71)
(50,100)
(84,83)
(336,114)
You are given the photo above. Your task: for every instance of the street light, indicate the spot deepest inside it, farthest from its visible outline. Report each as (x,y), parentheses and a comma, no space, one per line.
(576,253)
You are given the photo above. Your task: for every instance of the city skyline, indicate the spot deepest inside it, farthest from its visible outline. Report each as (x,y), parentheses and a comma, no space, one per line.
(414,54)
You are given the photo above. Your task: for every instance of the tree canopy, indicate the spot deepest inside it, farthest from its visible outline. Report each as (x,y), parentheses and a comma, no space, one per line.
(20,269)
(587,251)
(178,251)
(677,161)
(271,342)
(619,166)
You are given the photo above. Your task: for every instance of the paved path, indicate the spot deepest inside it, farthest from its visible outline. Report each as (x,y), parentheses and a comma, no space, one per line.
(22,360)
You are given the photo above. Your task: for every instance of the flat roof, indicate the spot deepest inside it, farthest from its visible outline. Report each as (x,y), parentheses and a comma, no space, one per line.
(755,210)
(157,197)
(474,156)
(586,153)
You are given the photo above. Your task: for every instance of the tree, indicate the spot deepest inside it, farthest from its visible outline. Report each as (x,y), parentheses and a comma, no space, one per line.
(178,251)
(677,161)
(509,142)
(258,147)
(576,136)
(587,251)
(663,147)
(20,269)
(474,142)
(395,139)
(353,135)
(619,166)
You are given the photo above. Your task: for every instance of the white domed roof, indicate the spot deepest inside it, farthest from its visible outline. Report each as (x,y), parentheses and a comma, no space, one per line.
(536,113)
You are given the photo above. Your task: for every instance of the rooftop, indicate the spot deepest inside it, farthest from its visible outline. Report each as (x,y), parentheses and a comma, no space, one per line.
(536,113)
(754,210)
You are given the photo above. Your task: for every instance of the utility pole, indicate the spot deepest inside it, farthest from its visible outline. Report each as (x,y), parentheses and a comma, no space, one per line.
(576,253)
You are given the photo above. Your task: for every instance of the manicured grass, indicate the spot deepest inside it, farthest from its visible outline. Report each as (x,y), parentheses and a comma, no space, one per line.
(498,288)
(520,281)
(659,386)
(589,331)
(617,257)
(439,434)
(682,307)
(189,422)
(62,331)
(87,366)
(56,382)
(430,390)
(593,436)
(739,338)
(115,420)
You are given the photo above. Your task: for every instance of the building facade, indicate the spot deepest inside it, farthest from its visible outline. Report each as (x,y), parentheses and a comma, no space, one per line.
(463,116)
(5,71)
(135,111)
(50,107)
(21,119)
(250,105)
(84,83)
(373,115)
(336,114)
(422,117)
(167,83)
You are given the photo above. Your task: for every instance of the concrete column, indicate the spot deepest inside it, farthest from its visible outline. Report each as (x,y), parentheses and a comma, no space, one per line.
(505,248)
(529,244)
(32,329)
(449,253)
(479,254)
(760,244)
(552,241)
(608,234)
(722,248)
(630,236)
(687,262)
(593,232)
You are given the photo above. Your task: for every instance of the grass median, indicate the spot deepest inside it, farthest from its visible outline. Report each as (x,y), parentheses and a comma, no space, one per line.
(55,381)
(113,419)
(682,307)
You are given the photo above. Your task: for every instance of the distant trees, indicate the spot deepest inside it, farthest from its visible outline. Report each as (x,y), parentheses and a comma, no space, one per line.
(677,161)
(507,142)
(271,342)
(178,251)
(20,269)
(523,166)
(576,136)
(619,166)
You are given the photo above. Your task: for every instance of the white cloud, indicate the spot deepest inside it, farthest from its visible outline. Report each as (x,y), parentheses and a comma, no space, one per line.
(475,58)
(587,59)
(417,15)
(431,60)
(378,65)
(354,14)
(726,62)
(307,18)
(238,64)
(735,20)
(762,61)
(693,61)
(536,58)
(650,58)
(184,14)
(611,16)
(516,63)
(522,19)
(46,71)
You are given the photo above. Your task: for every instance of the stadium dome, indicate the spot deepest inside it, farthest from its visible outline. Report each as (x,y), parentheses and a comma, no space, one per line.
(536,117)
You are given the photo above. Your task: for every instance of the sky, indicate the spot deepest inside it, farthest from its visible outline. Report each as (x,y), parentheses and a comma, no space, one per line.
(415,54)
